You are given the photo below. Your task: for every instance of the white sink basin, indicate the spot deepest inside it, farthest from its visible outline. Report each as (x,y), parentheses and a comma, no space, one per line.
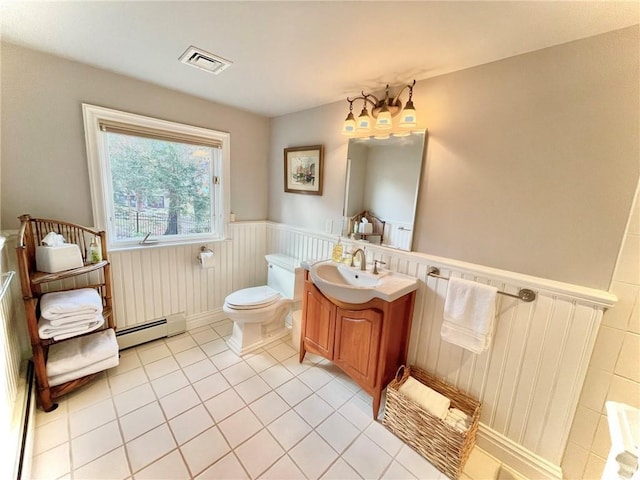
(352,285)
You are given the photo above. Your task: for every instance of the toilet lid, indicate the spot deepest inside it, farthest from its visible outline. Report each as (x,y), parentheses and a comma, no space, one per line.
(255,297)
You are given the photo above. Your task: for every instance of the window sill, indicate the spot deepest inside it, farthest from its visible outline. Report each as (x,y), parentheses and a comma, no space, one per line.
(166,244)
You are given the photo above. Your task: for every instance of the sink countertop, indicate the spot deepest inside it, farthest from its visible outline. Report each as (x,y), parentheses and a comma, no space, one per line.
(393,285)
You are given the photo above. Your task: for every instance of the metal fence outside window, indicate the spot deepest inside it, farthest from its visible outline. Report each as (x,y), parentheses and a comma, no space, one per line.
(138,224)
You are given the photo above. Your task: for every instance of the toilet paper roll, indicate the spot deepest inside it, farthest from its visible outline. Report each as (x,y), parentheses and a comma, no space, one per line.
(206,259)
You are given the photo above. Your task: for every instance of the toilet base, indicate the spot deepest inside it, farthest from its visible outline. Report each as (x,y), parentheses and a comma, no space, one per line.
(249,337)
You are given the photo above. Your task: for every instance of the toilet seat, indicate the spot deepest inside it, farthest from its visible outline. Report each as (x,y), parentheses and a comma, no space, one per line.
(252,298)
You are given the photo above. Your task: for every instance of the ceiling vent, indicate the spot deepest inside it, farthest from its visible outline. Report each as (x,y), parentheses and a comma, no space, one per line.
(204,60)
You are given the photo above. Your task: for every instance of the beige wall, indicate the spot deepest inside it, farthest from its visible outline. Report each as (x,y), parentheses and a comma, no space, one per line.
(531,167)
(613,372)
(311,127)
(44,166)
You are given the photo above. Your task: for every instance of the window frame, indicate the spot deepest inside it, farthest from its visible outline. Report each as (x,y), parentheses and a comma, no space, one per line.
(100,175)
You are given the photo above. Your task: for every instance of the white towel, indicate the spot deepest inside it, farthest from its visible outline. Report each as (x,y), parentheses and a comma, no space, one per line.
(57,305)
(469,314)
(434,402)
(458,420)
(110,362)
(81,352)
(459,414)
(74,319)
(47,330)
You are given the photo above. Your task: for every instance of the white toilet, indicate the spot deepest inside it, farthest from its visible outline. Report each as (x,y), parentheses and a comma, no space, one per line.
(259,313)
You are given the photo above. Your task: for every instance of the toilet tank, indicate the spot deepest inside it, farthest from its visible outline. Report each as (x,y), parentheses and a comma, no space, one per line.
(285,275)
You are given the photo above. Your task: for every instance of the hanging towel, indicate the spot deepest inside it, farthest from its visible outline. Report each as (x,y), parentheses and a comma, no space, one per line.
(110,362)
(57,305)
(469,314)
(81,352)
(47,330)
(434,402)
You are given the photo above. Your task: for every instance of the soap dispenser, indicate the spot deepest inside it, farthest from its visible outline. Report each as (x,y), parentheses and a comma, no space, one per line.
(95,251)
(337,252)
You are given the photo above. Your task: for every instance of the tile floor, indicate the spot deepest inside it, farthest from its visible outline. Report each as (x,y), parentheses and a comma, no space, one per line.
(187,407)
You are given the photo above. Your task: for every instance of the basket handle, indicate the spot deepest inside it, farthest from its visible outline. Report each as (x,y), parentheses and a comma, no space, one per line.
(400,373)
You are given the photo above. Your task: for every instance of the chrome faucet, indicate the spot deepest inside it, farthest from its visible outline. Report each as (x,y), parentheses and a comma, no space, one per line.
(363,259)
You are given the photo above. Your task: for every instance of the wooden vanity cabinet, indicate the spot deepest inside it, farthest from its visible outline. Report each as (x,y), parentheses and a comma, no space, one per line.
(357,343)
(319,330)
(367,341)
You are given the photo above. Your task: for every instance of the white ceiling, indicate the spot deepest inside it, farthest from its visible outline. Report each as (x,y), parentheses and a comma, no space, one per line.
(290,56)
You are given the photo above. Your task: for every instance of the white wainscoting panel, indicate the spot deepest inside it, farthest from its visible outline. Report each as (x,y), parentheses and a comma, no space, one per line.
(153,282)
(530,379)
(298,243)
(398,234)
(248,265)
(14,345)
(528,382)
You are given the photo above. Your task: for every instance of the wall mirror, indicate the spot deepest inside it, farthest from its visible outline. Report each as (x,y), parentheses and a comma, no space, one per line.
(382,181)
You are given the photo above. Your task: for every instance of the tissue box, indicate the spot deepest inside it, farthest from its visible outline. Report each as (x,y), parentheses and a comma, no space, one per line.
(366,228)
(57,259)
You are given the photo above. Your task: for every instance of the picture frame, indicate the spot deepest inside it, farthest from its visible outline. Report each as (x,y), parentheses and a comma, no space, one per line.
(303,169)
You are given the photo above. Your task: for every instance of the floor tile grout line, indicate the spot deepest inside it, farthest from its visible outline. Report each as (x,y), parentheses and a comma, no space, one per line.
(124,447)
(68,415)
(332,374)
(265,427)
(166,419)
(70,446)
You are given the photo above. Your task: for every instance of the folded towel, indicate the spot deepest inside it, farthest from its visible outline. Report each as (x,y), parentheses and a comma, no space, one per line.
(73,319)
(46,330)
(457,419)
(81,352)
(456,423)
(459,414)
(434,402)
(469,314)
(56,305)
(110,362)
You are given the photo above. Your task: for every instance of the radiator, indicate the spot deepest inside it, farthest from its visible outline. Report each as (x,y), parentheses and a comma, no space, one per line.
(146,332)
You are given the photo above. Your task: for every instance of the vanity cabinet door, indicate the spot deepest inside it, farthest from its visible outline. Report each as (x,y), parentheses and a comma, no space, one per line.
(319,323)
(357,343)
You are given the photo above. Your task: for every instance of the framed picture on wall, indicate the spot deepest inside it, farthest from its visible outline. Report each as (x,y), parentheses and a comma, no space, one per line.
(303,170)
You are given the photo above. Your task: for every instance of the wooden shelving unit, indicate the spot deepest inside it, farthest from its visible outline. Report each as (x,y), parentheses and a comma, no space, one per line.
(34,284)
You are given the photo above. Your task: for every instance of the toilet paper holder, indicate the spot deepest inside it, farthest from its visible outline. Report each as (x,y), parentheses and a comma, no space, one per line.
(204,249)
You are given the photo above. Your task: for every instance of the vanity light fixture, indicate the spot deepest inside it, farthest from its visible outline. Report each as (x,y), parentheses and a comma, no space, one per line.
(364,119)
(349,127)
(382,111)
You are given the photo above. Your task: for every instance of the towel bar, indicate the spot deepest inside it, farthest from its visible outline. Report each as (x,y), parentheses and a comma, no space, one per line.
(524,294)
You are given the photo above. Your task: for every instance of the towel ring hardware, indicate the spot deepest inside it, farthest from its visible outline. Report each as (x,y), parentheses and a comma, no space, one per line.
(525,294)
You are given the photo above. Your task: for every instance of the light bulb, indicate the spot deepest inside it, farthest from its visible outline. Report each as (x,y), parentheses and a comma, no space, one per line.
(384,119)
(408,118)
(364,121)
(349,127)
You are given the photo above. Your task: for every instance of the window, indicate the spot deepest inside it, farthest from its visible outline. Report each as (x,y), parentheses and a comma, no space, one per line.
(152,178)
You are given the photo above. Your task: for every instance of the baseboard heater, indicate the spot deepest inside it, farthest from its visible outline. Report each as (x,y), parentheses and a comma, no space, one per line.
(146,332)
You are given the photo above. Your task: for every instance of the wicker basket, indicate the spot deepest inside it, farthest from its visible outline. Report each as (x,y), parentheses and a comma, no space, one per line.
(444,446)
